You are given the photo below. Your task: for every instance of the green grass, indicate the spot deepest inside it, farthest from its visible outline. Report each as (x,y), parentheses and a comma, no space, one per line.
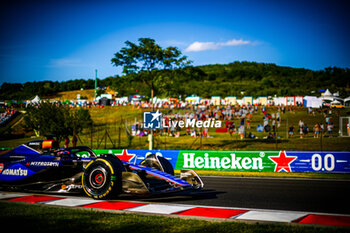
(39,218)
(114,119)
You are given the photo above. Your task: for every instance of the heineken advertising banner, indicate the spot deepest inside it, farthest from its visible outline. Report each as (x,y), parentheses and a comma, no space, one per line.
(267,161)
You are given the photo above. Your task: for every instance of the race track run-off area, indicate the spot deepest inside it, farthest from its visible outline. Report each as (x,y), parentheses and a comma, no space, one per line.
(298,201)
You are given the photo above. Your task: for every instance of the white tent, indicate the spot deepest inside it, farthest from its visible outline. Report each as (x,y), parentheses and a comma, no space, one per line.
(327,94)
(36,100)
(312,102)
(280,100)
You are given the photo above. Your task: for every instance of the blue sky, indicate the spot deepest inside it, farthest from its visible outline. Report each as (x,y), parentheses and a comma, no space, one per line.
(65,40)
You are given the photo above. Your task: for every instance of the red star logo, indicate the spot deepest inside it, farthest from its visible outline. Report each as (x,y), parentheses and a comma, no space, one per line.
(282,161)
(125,156)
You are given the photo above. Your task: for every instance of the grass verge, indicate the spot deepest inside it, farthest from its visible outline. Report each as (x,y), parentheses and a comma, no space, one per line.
(114,120)
(40,218)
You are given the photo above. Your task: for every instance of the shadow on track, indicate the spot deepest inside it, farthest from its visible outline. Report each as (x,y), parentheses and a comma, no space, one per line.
(174,197)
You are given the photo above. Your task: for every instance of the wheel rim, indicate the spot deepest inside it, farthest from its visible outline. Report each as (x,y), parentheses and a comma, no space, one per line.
(98,177)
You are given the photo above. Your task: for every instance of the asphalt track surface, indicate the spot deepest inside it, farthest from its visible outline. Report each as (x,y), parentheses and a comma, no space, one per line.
(313,195)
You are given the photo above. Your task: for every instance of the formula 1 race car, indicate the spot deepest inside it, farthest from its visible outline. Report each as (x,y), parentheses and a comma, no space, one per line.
(43,166)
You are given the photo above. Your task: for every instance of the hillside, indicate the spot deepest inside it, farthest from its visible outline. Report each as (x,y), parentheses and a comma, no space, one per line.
(234,79)
(259,79)
(72,95)
(243,79)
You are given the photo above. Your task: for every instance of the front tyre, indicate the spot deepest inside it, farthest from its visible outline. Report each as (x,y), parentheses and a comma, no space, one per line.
(102,179)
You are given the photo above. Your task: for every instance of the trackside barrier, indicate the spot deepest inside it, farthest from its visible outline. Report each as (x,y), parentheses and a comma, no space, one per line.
(266,161)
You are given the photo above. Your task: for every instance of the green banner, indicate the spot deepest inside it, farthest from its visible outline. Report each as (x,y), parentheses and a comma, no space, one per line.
(255,161)
(108,151)
(227,160)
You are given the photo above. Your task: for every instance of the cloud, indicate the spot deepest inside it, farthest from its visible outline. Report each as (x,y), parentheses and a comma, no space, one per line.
(202,46)
(235,42)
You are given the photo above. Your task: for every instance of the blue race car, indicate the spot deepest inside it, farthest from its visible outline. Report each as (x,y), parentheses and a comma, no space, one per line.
(43,166)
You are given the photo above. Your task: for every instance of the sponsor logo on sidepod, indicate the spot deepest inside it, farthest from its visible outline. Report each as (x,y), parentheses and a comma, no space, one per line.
(15,172)
(44,164)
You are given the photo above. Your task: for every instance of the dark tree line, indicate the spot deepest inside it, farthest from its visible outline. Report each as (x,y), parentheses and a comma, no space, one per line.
(250,78)
(23,91)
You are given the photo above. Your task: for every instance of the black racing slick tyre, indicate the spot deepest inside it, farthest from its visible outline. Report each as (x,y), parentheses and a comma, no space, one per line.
(102,178)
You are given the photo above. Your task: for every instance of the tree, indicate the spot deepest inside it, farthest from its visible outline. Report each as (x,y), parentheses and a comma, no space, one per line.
(148,62)
(61,121)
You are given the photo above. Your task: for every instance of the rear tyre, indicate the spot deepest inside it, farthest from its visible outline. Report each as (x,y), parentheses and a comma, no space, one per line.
(102,178)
